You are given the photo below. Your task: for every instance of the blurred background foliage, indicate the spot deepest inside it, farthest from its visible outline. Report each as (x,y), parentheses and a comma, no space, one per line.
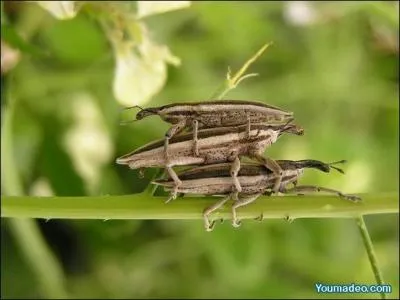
(335,64)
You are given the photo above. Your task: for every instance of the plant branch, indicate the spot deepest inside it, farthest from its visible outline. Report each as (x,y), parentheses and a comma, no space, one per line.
(145,206)
(231,82)
(371,252)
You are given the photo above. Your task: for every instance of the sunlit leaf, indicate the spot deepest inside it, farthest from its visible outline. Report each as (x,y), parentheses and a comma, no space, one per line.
(62,10)
(148,8)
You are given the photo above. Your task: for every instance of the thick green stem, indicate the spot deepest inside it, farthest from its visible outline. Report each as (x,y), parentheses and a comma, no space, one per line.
(371,253)
(145,206)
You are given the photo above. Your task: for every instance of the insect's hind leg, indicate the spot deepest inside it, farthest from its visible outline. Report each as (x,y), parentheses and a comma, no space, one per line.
(177,182)
(311,188)
(273,166)
(241,201)
(209,226)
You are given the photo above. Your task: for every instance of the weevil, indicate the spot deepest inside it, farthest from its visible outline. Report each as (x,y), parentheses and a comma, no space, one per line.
(221,113)
(216,145)
(254,179)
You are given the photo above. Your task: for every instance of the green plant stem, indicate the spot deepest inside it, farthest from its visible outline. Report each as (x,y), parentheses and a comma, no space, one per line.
(145,206)
(371,252)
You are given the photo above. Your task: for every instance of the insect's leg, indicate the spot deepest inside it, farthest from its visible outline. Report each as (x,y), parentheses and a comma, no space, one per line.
(273,166)
(234,172)
(300,189)
(177,182)
(195,126)
(209,226)
(260,218)
(241,202)
(176,128)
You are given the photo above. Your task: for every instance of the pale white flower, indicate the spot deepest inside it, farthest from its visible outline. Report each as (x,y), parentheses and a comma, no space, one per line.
(141,74)
(147,8)
(62,10)
(299,13)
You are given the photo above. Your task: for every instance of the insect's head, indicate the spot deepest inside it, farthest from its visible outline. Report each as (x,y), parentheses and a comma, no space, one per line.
(289,127)
(144,112)
(316,164)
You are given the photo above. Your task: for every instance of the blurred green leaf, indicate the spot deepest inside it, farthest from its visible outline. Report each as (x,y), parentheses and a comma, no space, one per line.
(10,35)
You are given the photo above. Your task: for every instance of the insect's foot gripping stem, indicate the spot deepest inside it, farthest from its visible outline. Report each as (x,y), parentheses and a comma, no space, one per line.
(236,223)
(260,218)
(352,198)
(171,197)
(209,226)
(242,201)
(177,183)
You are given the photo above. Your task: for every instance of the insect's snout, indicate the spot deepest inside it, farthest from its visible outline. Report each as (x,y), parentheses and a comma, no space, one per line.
(146,112)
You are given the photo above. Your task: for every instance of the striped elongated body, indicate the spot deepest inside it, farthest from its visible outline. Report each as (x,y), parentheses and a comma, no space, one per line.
(254,179)
(219,113)
(216,145)
(212,114)
(215,179)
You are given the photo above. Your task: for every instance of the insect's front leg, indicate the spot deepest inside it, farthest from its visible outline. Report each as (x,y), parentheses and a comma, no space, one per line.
(209,226)
(273,166)
(195,125)
(300,189)
(241,201)
(177,182)
(175,129)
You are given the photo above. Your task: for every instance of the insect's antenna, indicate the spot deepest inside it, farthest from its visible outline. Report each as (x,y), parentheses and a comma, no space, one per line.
(337,162)
(128,108)
(127,122)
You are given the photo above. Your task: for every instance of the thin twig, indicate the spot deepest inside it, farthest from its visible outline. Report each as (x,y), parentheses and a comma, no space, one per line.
(371,252)
(231,82)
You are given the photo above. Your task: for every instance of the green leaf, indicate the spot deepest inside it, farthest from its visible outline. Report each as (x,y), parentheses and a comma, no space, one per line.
(9,35)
